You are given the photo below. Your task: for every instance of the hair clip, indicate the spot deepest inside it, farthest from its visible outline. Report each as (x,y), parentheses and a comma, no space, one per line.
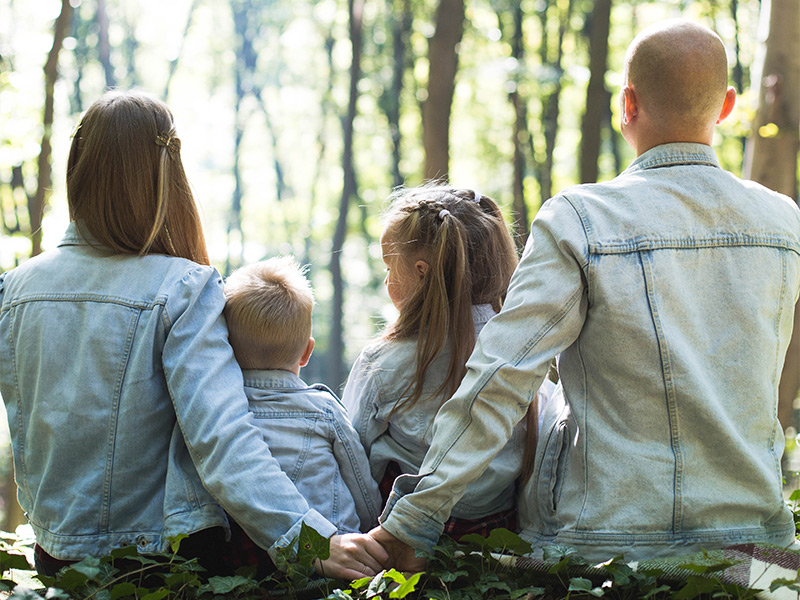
(477,196)
(443,213)
(170,142)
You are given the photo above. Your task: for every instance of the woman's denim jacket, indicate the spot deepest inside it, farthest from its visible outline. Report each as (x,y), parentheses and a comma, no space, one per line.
(128,419)
(309,434)
(379,378)
(669,293)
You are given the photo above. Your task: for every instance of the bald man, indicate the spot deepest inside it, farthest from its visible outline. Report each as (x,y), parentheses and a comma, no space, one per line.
(668,296)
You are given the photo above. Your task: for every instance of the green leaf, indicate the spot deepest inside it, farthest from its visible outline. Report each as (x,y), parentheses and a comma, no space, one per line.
(395,576)
(359,583)
(406,587)
(695,586)
(792,584)
(122,590)
(89,566)
(9,560)
(175,541)
(312,545)
(157,595)
(579,584)
(503,539)
(124,552)
(795,496)
(338,594)
(226,585)
(70,579)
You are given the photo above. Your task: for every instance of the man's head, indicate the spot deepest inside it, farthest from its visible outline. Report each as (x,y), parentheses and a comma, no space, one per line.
(676,85)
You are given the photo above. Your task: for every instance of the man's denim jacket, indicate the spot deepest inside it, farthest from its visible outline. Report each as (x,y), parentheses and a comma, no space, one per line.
(670,294)
(379,378)
(309,434)
(128,418)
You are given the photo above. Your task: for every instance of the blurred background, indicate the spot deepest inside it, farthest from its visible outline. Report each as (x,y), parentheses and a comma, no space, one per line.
(298,118)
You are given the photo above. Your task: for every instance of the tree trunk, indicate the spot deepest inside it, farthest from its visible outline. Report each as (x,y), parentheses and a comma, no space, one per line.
(597,96)
(37,203)
(349,190)
(173,64)
(443,64)
(401,28)
(103,44)
(771,152)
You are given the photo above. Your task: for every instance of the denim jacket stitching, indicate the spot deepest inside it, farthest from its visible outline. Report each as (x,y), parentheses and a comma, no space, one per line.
(672,411)
(721,240)
(352,458)
(105,511)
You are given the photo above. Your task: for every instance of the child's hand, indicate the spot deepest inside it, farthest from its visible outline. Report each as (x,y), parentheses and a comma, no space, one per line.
(353,556)
(401,555)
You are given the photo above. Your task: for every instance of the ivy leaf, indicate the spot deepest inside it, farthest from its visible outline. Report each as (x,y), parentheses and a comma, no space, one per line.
(157,595)
(122,590)
(695,586)
(395,576)
(175,541)
(406,587)
(226,585)
(70,579)
(359,583)
(579,584)
(89,566)
(795,496)
(657,590)
(311,545)
(792,584)
(13,561)
(503,539)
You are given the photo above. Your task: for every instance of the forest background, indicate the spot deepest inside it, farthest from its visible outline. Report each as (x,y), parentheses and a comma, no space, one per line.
(299,117)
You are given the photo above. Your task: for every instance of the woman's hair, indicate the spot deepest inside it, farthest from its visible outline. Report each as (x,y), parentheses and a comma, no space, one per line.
(471,256)
(268,308)
(126,186)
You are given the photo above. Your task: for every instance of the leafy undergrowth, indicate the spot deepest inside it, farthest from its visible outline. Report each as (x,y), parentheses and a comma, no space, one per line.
(475,568)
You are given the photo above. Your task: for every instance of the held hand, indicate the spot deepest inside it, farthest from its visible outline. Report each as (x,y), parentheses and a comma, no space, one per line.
(353,556)
(401,555)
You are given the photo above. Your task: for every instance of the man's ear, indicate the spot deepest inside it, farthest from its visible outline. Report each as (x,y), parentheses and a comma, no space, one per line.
(421,267)
(630,104)
(727,105)
(307,352)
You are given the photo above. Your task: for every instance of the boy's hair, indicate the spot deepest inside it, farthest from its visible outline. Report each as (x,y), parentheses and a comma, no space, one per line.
(126,186)
(268,308)
(470,254)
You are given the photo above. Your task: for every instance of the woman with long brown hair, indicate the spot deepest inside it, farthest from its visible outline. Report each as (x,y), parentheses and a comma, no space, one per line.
(128,419)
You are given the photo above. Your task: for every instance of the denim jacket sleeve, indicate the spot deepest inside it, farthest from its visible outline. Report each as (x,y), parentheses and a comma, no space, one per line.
(543,314)
(206,388)
(361,399)
(354,468)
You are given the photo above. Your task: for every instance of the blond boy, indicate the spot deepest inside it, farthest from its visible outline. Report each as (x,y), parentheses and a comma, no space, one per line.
(268,309)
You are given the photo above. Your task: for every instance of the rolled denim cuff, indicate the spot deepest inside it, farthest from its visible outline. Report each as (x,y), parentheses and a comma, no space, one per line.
(311,518)
(406,522)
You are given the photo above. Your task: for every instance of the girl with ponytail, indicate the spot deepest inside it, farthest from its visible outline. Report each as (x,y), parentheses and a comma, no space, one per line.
(449,258)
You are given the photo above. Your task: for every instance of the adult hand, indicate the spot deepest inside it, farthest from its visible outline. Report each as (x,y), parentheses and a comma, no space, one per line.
(353,556)
(401,555)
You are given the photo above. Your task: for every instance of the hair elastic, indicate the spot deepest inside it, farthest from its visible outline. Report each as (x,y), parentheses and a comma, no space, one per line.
(443,213)
(477,196)
(170,142)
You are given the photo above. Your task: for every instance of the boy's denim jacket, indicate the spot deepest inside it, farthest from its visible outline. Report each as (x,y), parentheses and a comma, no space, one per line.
(128,418)
(379,378)
(309,434)
(670,294)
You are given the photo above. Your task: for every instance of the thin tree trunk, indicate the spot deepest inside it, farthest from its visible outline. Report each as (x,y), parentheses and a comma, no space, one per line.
(401,28)
(771,152)
(349,191)
(443,64)
(37,203)
(103,44)
(597,96)
(173,64)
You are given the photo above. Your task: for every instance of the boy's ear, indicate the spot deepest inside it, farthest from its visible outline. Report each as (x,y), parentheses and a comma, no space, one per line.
(307,353)
(630,104)
(421,267)
(727,105)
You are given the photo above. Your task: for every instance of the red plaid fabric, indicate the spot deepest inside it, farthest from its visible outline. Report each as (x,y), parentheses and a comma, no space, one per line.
(455,527)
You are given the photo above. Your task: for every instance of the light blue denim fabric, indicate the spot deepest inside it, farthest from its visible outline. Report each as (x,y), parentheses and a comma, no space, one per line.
(128,419)
(309,434)
(669,293)
(379,378)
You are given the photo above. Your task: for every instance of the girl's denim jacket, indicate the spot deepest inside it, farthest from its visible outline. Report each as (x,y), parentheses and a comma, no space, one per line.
(309,434)
(379,378)
(670,294)
(129,423)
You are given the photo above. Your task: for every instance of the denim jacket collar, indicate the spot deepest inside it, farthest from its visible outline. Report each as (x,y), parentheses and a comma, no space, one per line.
(272,379)
(679,153)
(72,237)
